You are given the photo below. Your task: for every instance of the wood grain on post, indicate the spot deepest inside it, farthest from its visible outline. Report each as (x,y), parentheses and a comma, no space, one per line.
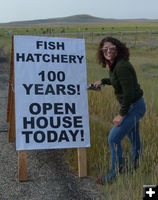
(11,74)
(11,100)
(82,162)
(12,120)
(22,166)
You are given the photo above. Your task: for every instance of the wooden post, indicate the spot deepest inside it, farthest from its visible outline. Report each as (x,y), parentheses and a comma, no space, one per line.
(11,100)
(82,162)
(12,136)
(10,82)
(22,166)
(22,155)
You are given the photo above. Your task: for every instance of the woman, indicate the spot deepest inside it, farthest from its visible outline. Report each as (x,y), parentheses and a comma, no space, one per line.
(115,54)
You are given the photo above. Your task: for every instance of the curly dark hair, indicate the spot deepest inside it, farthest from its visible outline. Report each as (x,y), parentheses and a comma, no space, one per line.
(123,51)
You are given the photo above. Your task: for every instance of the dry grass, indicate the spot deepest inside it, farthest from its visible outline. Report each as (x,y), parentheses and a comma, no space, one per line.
(103,107)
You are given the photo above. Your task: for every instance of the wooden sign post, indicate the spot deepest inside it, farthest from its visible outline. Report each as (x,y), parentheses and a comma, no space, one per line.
(47,98)
(82,162)
(22,155)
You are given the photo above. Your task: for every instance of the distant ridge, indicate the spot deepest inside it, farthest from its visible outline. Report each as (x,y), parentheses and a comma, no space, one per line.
(78,20)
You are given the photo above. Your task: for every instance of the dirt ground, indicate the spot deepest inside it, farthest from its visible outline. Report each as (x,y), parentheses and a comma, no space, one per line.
(49,175)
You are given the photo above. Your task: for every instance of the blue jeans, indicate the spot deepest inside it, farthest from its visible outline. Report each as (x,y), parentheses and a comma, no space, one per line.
(128,127)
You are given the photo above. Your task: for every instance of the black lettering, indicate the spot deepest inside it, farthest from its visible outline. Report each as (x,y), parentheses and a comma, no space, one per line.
(51,134)
(49,90)
(42,74)
(39,44)
(38,89)
(45,45)
(27,122)
(67,122)
(71,89)
(46,58)
(63,136)
(73,134)
(42,122)
(70,108)
(46,107)
(58,108)
(61,76)
(78,122)
(20,57)
(37,56)
(39,136)
(51,45)
(60,89)
(35,108)
(64,59)
(51,76)
(60,45)
(28,88)
(30,58)
(27,135)
(80,58)
(53,124)
(57,58)
(72,59)
(82,135)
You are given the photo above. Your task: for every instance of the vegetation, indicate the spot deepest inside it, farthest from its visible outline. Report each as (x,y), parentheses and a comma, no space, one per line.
(103,107)
(42,30)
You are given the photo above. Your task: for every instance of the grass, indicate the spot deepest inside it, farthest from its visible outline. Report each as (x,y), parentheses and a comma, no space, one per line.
(102,109)
(39,30)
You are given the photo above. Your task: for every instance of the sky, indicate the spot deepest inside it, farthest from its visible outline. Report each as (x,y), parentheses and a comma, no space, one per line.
(21,10)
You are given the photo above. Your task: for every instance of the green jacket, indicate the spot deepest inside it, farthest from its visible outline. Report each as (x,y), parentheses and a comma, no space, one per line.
(124,81)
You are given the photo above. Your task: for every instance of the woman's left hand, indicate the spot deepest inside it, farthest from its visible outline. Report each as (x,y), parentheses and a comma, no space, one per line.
(117,120)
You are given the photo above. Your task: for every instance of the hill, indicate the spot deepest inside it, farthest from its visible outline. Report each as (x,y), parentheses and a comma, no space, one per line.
(78,20)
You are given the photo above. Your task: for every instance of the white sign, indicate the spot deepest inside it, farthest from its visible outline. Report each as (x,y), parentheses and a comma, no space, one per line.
(51,102)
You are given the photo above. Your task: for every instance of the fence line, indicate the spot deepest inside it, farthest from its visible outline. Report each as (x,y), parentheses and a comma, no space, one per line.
(148,38)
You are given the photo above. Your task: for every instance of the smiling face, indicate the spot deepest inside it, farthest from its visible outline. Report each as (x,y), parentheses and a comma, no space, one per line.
(109,51)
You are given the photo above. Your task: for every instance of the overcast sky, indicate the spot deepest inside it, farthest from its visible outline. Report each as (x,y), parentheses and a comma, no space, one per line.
(19,10)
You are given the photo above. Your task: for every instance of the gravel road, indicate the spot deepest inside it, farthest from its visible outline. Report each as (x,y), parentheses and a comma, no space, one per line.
(49,175)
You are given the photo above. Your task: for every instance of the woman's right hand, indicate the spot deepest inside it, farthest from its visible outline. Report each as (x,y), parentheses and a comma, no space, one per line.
(97,84)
